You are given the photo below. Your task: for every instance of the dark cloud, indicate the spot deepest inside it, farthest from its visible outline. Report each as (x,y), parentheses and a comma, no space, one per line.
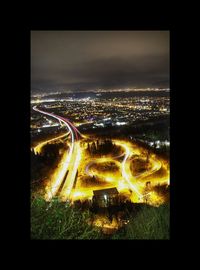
(80,60)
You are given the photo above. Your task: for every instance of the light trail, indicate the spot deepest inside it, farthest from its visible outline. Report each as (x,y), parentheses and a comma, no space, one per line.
(100,160)
(73,127)
(124,172)
(156,166)
(128,181)
(87,168)
(38,148)
(105,175)
(71,162)
(73,168)
(58,177)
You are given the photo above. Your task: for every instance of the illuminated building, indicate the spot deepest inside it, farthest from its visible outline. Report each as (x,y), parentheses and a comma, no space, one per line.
(105,197)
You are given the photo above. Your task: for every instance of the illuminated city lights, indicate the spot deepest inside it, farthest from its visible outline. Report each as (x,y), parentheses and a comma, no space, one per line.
(100,134)
(73,161)
(79,173)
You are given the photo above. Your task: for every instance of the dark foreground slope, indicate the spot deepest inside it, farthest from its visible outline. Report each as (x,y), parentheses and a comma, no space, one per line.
(56,220)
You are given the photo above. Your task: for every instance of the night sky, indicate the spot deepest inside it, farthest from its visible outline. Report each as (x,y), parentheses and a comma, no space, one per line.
(87,60)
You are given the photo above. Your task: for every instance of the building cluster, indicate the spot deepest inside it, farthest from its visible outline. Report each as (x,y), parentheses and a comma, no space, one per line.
(101,111)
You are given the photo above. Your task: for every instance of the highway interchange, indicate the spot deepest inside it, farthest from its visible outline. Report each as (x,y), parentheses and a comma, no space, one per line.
(75,160)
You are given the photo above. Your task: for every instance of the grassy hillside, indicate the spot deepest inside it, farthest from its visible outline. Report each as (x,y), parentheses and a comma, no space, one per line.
(149,223)
(57,220)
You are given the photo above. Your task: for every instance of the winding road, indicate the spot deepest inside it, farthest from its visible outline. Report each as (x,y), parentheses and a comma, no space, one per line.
(65,175)
(69,161)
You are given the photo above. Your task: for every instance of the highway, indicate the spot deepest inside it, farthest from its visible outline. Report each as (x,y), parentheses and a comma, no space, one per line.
(67,162)
(126,173)
(73,168)
(38,149)
(129,181)
(99,160)
(72,163)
